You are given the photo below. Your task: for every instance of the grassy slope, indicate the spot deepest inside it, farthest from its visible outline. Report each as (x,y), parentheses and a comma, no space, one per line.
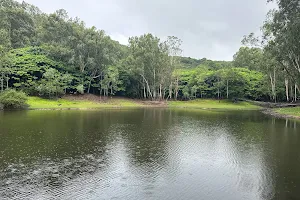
(292,111)
(39,103)
(213,104)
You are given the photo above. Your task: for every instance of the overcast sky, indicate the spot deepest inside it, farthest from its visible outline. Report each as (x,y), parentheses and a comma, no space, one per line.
(208,28)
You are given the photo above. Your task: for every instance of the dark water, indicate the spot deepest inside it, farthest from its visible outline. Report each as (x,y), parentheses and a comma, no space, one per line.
(148,154)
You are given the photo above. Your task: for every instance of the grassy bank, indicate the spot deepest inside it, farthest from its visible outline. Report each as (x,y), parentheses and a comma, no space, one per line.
(65,103)
(288,112)
(39,103)
(213,104)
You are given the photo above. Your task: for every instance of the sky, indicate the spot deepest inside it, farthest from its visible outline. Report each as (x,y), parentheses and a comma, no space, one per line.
(210,29)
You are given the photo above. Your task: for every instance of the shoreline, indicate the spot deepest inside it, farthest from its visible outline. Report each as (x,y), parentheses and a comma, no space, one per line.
(273,109)
(267,111)
(98,108)
(272,112)
(92,102)
(137,107)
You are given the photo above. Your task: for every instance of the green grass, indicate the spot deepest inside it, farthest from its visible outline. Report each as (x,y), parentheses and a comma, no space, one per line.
(213,104)
(293,111)
(39,103)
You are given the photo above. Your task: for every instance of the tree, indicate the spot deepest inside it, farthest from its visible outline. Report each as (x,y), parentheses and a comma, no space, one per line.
(250,58)
(5,63)
(174,51)
(110,84)
(282,27)
(148,56)
(17,26)
(53,83)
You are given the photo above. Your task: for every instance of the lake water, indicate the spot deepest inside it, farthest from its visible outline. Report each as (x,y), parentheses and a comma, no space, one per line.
(148,154)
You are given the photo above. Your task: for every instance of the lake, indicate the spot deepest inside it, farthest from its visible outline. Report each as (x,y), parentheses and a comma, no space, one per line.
(167,154)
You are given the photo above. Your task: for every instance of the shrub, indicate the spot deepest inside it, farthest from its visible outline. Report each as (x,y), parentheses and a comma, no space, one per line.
(12,99)
(80,89)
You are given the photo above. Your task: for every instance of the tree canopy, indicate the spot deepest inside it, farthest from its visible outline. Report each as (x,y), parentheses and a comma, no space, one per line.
(53,54)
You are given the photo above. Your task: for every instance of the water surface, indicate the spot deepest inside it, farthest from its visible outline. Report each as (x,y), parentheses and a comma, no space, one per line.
(148,154)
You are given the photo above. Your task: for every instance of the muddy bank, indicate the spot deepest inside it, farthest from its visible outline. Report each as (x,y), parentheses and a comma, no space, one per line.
(273,105)
(98,99)
(272,112)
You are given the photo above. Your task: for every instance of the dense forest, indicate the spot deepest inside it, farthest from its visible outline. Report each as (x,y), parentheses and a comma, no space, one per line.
(50,55)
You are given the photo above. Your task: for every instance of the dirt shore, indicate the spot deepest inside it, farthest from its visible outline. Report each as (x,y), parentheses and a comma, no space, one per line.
(98,99)
(269,111)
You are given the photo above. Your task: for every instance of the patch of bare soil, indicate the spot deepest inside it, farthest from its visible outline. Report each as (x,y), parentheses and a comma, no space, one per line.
(86,97)
(98,99)
(152,103)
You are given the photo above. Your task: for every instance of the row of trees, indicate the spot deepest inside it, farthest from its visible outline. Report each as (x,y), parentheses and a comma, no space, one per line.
(277,52)
(52,54)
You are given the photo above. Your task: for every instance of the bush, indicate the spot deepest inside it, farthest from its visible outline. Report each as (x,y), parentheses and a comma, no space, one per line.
(12,99)
(80,89)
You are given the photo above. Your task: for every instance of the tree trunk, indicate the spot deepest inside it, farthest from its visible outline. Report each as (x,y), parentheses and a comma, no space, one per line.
(145,95)
(89,86)
(273,86)
(295,92)
(287,89)
(148,87)
(2,78)
(176,88)
(170,90)
(154,85)
(291,92)
(227,90)
(275,96)
(218,89)
(160,92)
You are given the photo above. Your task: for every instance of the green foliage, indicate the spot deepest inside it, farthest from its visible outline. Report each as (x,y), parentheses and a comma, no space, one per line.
(186,92)
(189,63)
(250,58)
(53,83)
(240,82)
(12,99)
(27,68)
(52,54)
(17,26)
(80,89)
(153,63)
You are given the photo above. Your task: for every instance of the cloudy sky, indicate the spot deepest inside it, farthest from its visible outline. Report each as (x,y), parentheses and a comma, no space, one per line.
(208,28)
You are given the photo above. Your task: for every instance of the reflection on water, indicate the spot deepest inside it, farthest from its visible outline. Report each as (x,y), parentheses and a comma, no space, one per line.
(148,154)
